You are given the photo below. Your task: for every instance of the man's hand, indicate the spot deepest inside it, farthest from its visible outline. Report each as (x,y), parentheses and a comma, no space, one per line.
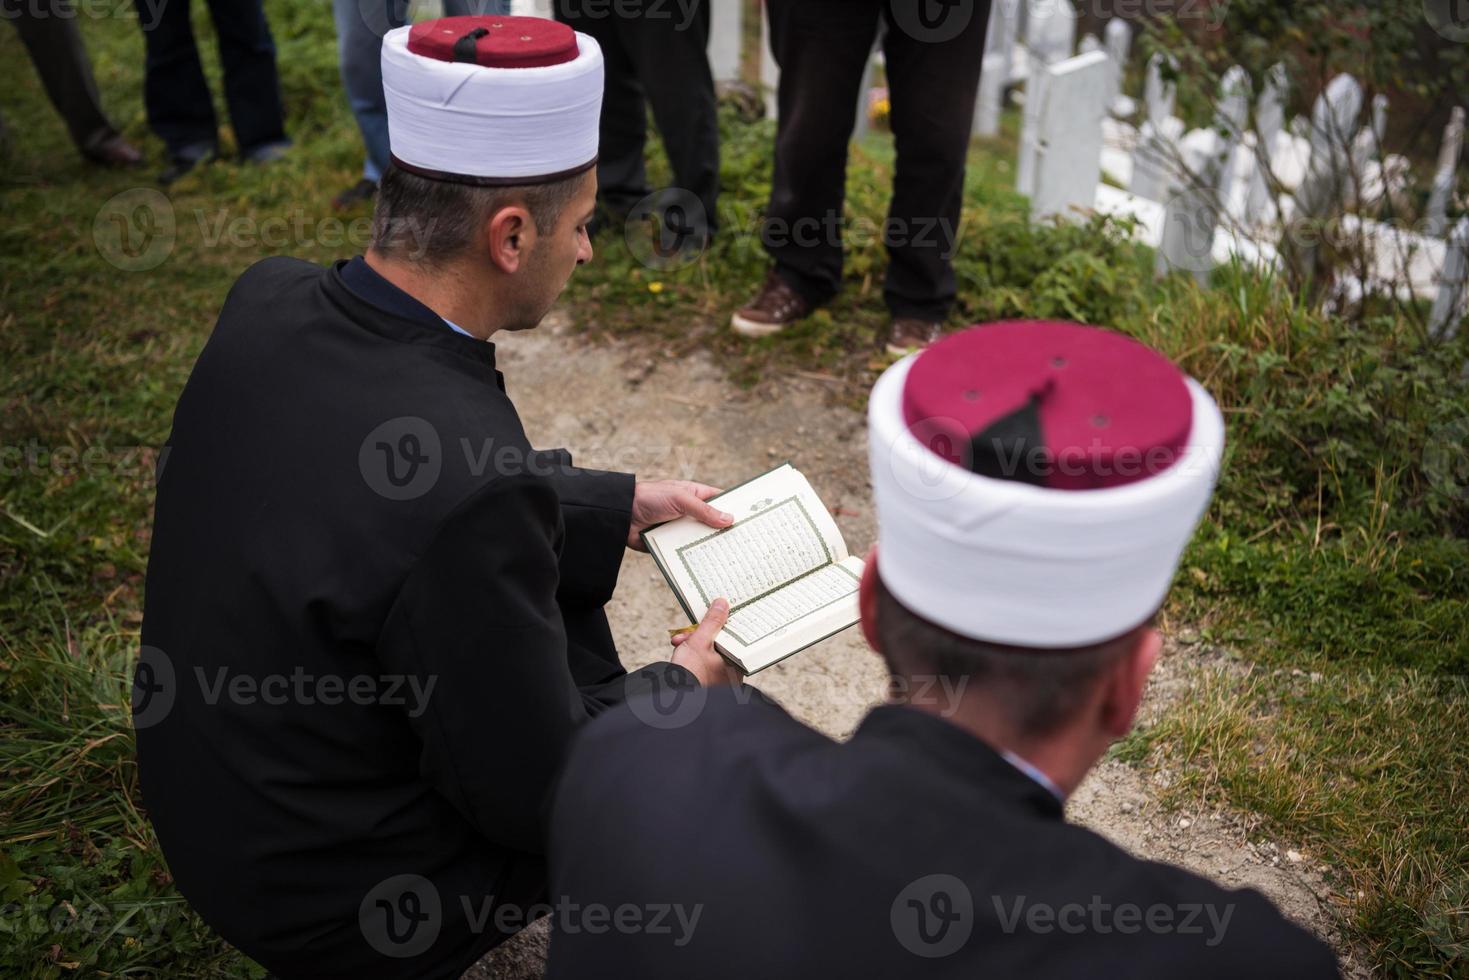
(663,500)
(695,651)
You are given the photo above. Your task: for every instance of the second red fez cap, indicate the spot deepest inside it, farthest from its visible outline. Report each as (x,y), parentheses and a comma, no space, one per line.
(494,42)
(1059,405)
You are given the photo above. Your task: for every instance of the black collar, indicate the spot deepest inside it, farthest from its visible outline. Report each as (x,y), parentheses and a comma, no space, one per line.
(373,302)
(934,741)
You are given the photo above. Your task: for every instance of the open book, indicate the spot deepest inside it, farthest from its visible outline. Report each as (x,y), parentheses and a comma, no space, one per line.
(782,565)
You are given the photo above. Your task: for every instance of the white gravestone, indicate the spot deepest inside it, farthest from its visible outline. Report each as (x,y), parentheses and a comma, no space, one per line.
(1333,124)
(1069,142)
(999,43)
(1050,33)
(1157,146)
(1228,175)
(726,34)
(1190,218)
(1117,36)
(1449,303)
(1443,175)
(1269,123)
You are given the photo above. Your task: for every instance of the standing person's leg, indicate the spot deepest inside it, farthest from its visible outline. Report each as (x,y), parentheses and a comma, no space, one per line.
(361,25)
(49,31)
(175,93)
(622,180)
(933,74)
(252,87)
(667,45)
(822,47)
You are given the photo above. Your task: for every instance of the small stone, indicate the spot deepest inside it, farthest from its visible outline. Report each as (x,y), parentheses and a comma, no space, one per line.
(1293,856)
(1126,807)
(1185,823)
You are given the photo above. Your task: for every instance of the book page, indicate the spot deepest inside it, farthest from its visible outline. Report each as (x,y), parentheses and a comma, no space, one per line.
(776,545)
(758,618)
(767,545)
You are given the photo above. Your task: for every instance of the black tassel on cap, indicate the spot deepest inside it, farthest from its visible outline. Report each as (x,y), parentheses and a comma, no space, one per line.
(1013,447)
(464,48)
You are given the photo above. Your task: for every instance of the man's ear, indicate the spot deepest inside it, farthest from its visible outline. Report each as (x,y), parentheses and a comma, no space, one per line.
(1126,682)
(511,234)
(867,599)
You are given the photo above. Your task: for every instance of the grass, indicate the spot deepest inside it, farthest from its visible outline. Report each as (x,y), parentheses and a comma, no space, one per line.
(1333,564)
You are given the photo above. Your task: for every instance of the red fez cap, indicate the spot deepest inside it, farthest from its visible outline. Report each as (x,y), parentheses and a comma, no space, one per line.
(494,42)
(1059,405)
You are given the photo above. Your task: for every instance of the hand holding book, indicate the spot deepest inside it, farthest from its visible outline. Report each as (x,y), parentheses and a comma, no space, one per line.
(695,651)
(782,567)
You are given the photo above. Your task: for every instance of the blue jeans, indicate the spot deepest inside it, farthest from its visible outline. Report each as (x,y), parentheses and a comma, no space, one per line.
(361,25)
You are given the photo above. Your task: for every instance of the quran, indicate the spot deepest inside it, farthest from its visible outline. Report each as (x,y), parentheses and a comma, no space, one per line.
(782,565)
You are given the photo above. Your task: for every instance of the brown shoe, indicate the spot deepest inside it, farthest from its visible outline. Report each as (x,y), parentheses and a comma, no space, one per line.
(908,334)
(114,151)
(775,307)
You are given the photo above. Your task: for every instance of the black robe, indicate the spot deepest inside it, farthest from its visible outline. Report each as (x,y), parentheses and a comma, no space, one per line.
(373,621)
(912,850)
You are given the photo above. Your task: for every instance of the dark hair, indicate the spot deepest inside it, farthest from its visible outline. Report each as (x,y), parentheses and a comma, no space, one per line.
(431,221)
(1037,690)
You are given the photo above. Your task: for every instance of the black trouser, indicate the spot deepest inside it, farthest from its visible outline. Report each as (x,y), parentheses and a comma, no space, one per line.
(48,29)
(822,47)
(179,107)
(655,56)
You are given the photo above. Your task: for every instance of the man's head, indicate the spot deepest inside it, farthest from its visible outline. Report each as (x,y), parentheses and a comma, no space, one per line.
(1036,484)
(1019,697)
(493,124)
(515,244)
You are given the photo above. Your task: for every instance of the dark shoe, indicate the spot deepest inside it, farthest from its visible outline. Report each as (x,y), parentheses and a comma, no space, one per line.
(908,334)
(773,309)
(185,159)
(114,151)
(266,152)
(363,190)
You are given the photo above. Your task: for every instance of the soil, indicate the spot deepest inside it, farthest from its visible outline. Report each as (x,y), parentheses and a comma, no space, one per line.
(628,407)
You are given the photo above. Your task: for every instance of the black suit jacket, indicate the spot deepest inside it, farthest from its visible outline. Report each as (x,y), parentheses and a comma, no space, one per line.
(373,621)
(912,850)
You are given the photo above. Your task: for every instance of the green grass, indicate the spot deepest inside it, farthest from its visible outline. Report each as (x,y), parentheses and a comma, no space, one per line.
(1336,545)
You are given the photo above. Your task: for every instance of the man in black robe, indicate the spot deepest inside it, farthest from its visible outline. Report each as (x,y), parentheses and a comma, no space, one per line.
(374,614)
(1035,485)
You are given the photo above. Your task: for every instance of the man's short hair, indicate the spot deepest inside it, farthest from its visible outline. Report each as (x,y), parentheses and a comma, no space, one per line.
(433,221)
(1037,690)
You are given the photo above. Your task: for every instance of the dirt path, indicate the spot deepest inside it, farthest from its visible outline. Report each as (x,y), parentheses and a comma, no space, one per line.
(623,407)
